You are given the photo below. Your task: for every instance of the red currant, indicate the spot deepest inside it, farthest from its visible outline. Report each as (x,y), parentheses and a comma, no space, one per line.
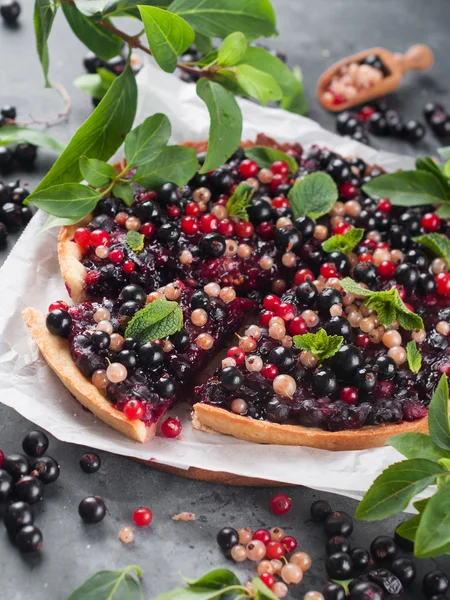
(2,458)
(142,516)
(148,229)
(134,409)
(443,283)
(362,340)
(430,222)
(244,229)
(280,202)
(173,211)
(58,304)
(349,395)
(338,99)
(281,504)
(347,190)
(116,255)
(150,195)
(269,372)
(265,317)
(128,267)
(271,301)
(192,209)
(237,353)
(263,535)
(82,236)
(225,227)
(386,269)
(285,310)
(277,180)
(369,244)
(383,245)
(303,275)
(274,550)
(92,277)
(297,326)
(208,223)
(248,168)
(384,205)
(268,579)
(342,228)
(265,230)
(189,225)
(365,257)
(99,237)
(279,167)
(328,270)
(366,112)
(290,543)
(171,427)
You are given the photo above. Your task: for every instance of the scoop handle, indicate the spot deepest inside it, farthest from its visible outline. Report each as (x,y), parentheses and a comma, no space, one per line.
(417,58)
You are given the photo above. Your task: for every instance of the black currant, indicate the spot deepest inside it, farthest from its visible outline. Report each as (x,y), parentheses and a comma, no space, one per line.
(430,108)
(405,569)
(386,367)
(165,387)
(151,355)
(227,538)
(231,378)
(129,308)
(18,515)
(413,131)
(11,215)
(387,581)
(282,357)
(92,62)
(16,465)
(327,298)
(9,112)
(200,299)
(339,566)
(6,159)
(416,257)
(435,582)
(35,443)
(100,339)
(25,154)
(365,380)
(168,233)
(360,558)
(168,194)
(59,322)
(340,261)
(29,539)
(29,489)
(90,462)
(324,382)
(338,326)
(149,211)
(378,124)
(10,11)
(130,344)
(319,511)
(338,523)
(259,211)
(288,239)
(333,591)
(383,549)
(366,590)
(180,340)
(347,360)
(128,358)
(222,179)
(306,227)
(306,293)
(339,170)
(338,544)
(6,486)
(3,234)
(212,245)
(407,275)
(46,469)
(365,272)
(92,509)
(134,293)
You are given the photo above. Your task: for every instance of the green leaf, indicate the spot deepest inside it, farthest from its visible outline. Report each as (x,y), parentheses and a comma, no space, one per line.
(176,164)
(417,445)
(261,590)
(240,201)
(147,140)
(436,242)
(320,344)
(408,528)
(155,321)
(392,491)
(414,357)
(444,152)
(261,59)
(100,41)
(44,15)
(408,188)
(66,200)
(135,241)
(344,243)
(446,170)
(168,35)
(226,123)
(443,211)
(258,84)
(11,134)
(218,18)
(95,84)
(214,580)
(124,191)
(52,222)
(313,196)
(265,156)
(101,135)
(232,49)
(110,585)
(445,462)
(96,172)
(433,533)
(438,420)
(428,164)
(345,583)
(203,43)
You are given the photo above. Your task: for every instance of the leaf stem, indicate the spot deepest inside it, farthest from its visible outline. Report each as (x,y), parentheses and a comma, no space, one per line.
(61,116)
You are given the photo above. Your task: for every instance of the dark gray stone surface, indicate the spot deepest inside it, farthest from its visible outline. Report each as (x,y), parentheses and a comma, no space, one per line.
(314,33)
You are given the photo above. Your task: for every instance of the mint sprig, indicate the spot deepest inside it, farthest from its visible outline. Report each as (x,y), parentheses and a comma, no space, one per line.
(438,243)
(320,344)
(155,321)
(387,304)
(135,241)
(413,356)
(343,243)
(240,201)
(313,196)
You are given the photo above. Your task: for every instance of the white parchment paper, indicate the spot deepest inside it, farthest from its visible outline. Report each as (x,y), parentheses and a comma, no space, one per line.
(30,277)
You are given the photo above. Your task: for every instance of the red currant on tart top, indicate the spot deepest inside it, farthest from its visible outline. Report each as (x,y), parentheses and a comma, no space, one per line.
(347,309)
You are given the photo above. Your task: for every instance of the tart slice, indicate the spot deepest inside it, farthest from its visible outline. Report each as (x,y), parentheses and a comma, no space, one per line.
(107,355)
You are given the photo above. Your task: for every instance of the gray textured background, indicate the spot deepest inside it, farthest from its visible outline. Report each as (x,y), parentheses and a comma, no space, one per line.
(314,34)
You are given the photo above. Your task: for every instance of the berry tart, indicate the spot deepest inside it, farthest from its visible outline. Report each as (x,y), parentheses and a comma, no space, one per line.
(347,310)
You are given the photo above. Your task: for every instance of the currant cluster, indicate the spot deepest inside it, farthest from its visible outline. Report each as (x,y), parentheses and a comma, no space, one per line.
(22,155)
(378,120)
(438,119)
(10,11)
(22,482)
(14,214)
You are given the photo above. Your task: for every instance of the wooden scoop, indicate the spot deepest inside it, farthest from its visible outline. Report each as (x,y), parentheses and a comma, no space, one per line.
(417,58)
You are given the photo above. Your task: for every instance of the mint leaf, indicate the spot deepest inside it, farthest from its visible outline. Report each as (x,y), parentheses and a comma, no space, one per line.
(96,172)
(408,188)
(226,123)
(413,356)
(110,585)
(144,142)
(261,59)
(385,310)
(417,445)
(155,321)
(232,49)
(433,533)
(101,135)
(241,200)
(218,18)
(436,242)
(265,157)
(257,84)
(135,241)
(392,491)
(343,243)
(11,134)
(44,15)
(67,200)
(320,344)
(351,286)
(95,84)
(124,191)
(438,419)
(168,35)
(313,196)
(177,164)
(100,41)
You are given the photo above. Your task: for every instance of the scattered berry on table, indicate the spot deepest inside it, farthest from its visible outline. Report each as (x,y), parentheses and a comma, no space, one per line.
(90,462)
(29,539)
(171,427)
(383,549)
(35,443)
(281,504)
(92,509)
(142,516)
(10,11)
(29,489)
(17,465)
(17,515)
(46,469)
